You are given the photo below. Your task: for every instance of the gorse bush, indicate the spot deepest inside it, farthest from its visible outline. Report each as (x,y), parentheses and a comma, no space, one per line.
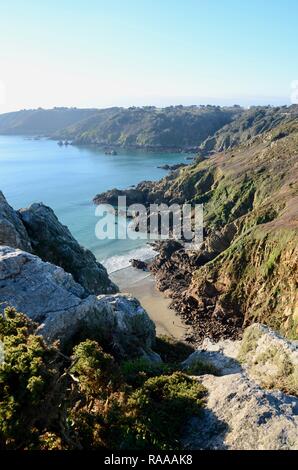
(171,350)
(87,401)
(158,410)
(137,371)
(30,392)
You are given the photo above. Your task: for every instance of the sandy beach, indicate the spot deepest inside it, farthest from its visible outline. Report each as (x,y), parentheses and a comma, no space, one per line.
(141,285)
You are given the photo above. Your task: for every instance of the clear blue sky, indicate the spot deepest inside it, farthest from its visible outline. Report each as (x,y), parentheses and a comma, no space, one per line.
(130,52)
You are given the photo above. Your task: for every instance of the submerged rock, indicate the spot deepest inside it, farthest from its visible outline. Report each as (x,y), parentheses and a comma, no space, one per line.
(64,309)
(175,167)
(139,264)
(53,242)
(12,230)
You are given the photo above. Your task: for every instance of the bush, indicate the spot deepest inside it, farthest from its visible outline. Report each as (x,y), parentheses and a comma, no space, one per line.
(171,350)
(137,371)
(159,409)
(49,401)
(30,393)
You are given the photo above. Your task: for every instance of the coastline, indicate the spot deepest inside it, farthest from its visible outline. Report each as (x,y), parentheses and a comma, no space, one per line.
(141,284)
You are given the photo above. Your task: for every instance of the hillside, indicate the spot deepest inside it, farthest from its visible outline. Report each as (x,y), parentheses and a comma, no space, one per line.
(172,127)
(247,268)
(41,121)
(148,127)
(249,124)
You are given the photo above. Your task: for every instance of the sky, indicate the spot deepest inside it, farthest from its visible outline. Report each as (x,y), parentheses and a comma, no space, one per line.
(100,53)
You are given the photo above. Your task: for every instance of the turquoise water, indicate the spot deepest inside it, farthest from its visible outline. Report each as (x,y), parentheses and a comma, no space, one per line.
(67,178)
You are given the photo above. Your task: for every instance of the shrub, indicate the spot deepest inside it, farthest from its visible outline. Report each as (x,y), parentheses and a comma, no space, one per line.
(96,371)
(159,410)
(30,393)
(137,371)
(52,402)
(171,350)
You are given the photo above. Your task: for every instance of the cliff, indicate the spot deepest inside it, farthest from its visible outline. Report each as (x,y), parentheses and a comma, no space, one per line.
(175,127)
(172,128)
(246,269)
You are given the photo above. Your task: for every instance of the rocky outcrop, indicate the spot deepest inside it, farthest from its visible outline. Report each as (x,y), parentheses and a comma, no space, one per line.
(64,309)
(246,269)
(12,230)
(240,413)
(139,264)
(174,167)
(53,242)
(248,125)
(169,129)
(271,360)
(173,268)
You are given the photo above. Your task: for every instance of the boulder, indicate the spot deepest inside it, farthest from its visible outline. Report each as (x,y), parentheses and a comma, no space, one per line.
(53,242)
(64,309)
(240,415)
(139,264)
(242,410)
(270,359)
(12,230)
(222,356)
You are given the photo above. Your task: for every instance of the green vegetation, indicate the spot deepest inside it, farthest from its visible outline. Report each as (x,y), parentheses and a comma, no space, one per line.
(159,408)
(88,400)
(249,125)
(247,267)
(172,351)
(174,127)
(42,122)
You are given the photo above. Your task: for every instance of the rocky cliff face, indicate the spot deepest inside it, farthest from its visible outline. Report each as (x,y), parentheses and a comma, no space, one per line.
(12,231)
(53,242)
(56,288)
(248,125)
(37,229)
(63,309)
(246,269)
(174,127)
(242,410)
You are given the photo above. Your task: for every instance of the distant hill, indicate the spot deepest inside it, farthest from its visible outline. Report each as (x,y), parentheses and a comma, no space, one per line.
(147,127)
(150,127)
(41,121)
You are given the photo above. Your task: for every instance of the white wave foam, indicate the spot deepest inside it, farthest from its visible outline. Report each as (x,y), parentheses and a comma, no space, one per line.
(117,262)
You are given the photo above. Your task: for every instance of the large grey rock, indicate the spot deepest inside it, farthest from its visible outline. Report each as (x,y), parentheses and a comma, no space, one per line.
(12,230)
(222,356)
(53,242)
(64,309)
(270,359)
(240,415)
(245,408)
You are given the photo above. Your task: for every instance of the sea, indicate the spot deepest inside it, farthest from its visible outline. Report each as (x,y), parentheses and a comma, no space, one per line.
(66,178)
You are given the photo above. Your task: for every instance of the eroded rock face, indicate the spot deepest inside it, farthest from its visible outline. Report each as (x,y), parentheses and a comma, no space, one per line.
(12,230)
(53,242)
(240,415)
(242,411)
(63,308)
(271,359)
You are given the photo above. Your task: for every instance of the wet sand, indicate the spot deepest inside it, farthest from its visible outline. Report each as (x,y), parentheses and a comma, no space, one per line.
(141,285)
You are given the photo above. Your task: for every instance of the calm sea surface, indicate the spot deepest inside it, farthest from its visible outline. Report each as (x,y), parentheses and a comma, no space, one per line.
(67,178)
